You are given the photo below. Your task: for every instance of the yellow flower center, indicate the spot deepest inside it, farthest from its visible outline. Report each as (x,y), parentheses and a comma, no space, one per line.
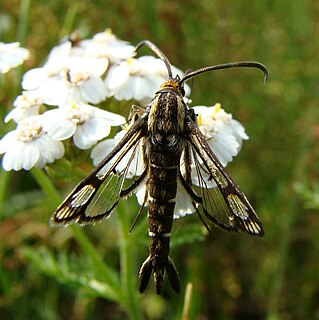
(29,131)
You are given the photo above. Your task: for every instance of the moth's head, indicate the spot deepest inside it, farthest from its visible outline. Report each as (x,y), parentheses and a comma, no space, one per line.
(173,84)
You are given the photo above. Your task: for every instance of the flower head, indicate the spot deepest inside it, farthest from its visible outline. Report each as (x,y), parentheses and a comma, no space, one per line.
(68,77)
(11,55)
(25,105)
(223,133)
(106,44)
(137,79)
(29,146)
(87,124)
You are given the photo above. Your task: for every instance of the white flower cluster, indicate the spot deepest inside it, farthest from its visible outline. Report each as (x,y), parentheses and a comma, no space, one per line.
(11,56)
(57,102)
(57,98)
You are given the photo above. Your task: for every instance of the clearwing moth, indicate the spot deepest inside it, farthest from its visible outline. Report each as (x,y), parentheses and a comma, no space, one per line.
(163,150)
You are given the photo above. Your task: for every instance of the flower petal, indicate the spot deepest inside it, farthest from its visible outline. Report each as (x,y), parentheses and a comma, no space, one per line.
(112,118)
(101,150)
(183,203)
(30,155)
(116,77)
(49,149)
(33,78)
(7,141)
(93,90)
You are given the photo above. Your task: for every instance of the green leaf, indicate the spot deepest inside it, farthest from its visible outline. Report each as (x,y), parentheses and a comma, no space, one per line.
(310,194)
(73,270)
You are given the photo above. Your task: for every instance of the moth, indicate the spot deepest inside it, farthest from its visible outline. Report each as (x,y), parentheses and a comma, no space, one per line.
(163,151)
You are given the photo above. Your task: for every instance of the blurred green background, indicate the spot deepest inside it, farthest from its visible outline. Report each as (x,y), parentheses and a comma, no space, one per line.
(68,273)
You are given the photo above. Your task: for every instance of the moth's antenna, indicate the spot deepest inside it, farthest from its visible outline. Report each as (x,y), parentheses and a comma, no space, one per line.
(158,52)
(238,64)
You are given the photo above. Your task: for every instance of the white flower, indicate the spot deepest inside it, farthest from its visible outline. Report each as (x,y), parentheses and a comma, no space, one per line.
(105,44)
(224,134)
(29,146)
(87,124)
(68,76)
(59,55)
(137,79)
(56,63)
(11,55)
(25,105)
(66,86)
(74,86)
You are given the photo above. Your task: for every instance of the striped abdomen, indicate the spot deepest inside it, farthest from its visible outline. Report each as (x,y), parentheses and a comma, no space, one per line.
(164,147)
(162,187)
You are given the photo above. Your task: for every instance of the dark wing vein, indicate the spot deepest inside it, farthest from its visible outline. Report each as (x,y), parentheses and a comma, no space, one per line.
(225,206)
(96,196)
(116,185)
(213,204)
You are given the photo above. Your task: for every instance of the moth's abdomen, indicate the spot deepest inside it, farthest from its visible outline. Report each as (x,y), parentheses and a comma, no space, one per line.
(164,146)
(162,188)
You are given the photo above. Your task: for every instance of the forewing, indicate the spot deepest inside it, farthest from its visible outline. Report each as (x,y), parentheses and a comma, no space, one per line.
(225,205)
(96,196)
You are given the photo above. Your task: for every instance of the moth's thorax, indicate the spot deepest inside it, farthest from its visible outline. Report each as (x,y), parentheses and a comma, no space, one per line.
(166,119)
(172,84)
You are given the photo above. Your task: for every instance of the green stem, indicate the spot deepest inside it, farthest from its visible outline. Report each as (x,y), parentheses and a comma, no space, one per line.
(47,186)
(23,21)
(4,182)
(126,255)
(69,20)
(110,277)
(55,199)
